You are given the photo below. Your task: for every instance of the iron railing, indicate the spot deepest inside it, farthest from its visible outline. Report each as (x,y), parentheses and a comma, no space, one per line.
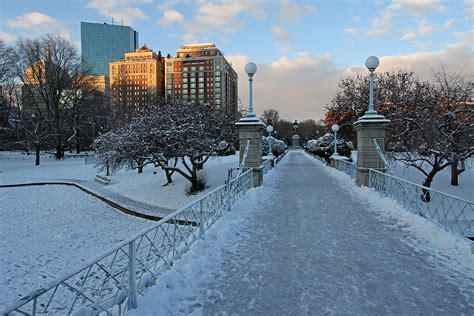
(112,281)
(279,158)
(450,212)
(348,167)
(266,166)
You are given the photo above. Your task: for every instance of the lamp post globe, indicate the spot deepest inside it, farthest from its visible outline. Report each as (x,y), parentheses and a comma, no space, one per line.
(372,63)
(250,69)
(335,128)
(269,129)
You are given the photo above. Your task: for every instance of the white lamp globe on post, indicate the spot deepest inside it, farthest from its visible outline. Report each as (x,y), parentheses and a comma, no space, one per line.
(250,69)
(270,130)
(335,128)
(371,63)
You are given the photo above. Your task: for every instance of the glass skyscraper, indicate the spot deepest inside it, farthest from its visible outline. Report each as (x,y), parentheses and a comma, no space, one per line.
(102,43)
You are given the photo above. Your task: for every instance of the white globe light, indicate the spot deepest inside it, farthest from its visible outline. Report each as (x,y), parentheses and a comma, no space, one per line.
(335,127)
(372,62)
(250,69)
(269,128)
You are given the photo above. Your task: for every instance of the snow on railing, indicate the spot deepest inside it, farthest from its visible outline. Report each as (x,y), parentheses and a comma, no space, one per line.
(348,167)
(279,158)
(450,212)
(244,158)
(111,282)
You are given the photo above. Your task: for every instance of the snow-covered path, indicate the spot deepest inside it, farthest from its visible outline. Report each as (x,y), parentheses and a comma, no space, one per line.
(313,248)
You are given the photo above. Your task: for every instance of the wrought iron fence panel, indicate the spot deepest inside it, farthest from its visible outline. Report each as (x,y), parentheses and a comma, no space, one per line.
(452,213)
(111,282)
(266,166)
(348,168)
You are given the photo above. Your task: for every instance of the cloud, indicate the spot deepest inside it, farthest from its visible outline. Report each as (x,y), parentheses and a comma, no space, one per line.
(7,37)
(281,35)
(426,28)
(290,12)
(221,17)
(416,7)
(299,88)
(120,10)
(170,17)
(36,23)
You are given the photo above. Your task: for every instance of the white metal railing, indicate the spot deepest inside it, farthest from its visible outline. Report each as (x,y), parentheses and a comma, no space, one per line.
(279,158)
(452,213)
(111,282)
(348,167)
(266,166)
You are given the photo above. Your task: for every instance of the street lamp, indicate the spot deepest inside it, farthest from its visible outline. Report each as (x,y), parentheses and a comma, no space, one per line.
(250,69)
(371,63)
(335,128)
(270,130)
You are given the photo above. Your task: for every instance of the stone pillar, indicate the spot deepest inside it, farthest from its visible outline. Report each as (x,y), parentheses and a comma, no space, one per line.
(295,141)
(368,127)
(251,128)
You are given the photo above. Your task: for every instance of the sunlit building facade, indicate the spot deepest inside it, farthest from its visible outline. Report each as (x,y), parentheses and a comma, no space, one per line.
(201,72)
(137,79)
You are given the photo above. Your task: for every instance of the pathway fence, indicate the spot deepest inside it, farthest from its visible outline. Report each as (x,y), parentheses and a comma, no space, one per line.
(348,167)
(452,213)
(112,281)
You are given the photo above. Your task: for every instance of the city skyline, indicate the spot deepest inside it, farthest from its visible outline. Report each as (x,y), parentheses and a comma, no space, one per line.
(301,48)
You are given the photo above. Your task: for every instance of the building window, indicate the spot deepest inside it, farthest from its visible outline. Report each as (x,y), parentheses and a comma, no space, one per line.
(201,79)
(218,73)
(201,91)
(169,63)
(193,85)
(193,79)
(185,86)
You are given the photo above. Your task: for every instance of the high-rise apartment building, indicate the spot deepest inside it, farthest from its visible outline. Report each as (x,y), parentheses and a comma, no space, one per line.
(200,72)
(138,79)
(102,43)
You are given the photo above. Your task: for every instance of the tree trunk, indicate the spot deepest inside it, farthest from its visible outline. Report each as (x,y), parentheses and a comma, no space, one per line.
(454,173)
(59,152)
(140,166)
(37,149)
(427,183)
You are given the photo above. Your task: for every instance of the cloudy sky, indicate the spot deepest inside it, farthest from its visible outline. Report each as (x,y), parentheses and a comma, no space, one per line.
(302,48)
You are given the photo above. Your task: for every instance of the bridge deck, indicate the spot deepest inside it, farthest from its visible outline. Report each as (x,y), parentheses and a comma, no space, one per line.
(313,248)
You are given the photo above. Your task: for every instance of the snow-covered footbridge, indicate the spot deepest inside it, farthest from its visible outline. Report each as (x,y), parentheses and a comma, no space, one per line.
(313,244)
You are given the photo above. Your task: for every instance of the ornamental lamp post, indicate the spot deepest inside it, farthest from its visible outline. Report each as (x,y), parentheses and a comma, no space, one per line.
(371,63)
(250,69)
(270,130)
(335,128)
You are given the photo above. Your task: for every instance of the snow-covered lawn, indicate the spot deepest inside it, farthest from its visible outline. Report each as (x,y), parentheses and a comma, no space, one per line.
(146,187)
(46,231)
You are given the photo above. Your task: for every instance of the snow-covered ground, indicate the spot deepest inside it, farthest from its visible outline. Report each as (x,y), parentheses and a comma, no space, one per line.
(442,181)
(144,188)
(46,231)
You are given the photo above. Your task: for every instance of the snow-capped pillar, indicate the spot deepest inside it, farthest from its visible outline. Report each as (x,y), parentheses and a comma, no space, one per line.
(295,140)
(251,128)
(368,127)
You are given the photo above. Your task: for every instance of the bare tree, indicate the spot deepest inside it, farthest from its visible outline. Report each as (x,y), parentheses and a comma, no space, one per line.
(53,83)
(430,121)
(175,130)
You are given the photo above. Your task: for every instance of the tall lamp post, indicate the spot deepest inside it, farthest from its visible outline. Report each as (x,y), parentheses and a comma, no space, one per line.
(250,69)
(270,130)
(335,128)
(371,63)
